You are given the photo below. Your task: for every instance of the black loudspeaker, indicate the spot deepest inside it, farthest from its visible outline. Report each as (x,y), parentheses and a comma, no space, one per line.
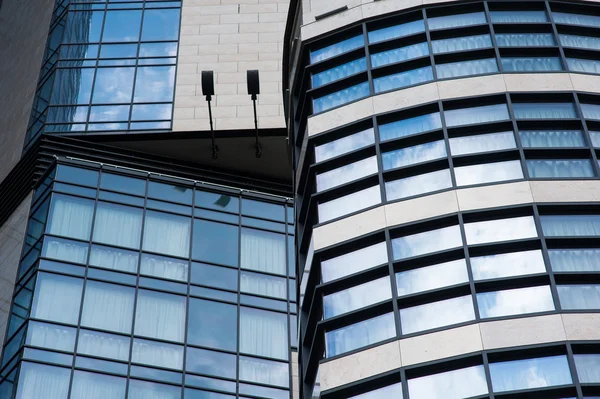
(253,82)
(208,84)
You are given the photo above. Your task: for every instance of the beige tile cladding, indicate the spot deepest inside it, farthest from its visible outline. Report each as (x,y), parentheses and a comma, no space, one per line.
(229,37)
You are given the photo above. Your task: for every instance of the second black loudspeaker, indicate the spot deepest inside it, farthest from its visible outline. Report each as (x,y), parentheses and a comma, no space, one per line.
(253,82)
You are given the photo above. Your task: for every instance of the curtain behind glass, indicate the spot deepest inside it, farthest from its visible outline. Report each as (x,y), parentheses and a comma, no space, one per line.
(588,368)
(37,381)
(583,65)
(525,39)
(393,32)
(263,333)
(544,110)
(482,114)
(50,336)
(337,48)
(118,225)
(560,168)
(571,225)
(482,143)
(167,234)
(579,296)
(57,298)
(97,386)
(403,79)
(163,267)
(576,19)
(410,126)
(552,138)
(264,371)
(399,55)
(261,284)
(114,347)
(591,111)
(465,68)
(530,64)
(461,43)
(160,315)
(107,306)
(588,42)
(570,260)
(71,251)
(263,251)
(157,354)
(339,72)
(114,258)
(70,216)
(452,21)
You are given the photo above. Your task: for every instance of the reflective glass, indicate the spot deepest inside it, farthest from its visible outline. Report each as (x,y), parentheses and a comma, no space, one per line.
(426,242)
(519,16)
(161,25)
(530,373)
(482,143)
(356,297)
(263,333)
(488,172)
(462,43)
(415,154)
(544,110)
(211,363)
(410,126)
(500,230)
(525,39)
(456,20)
(431,277)
(123,184)
(117,225)
(67,114)
(507,264)
(153,84)
(122,26)
(570,260)
(70,216)
(339,72)
(391,391)
(151,111)
(108,306)
(118,51)
(466,68)
(560,168)
(403,79)
(588,368)
(83,27)
(515,301)
(160,315)
(341,97)
(583,65)
(262,209)
(167,234)
(570,225)
(437,314)
(109,113)
(591,111)
(551,138)
(399,54)
(353,262)
(151,390)
(72,86)
(218,201)
(113,85)
(419,184)
(527,64)
(595,136)
(214,276)
(336,49)
(580,296)
(212,324)
(360,334)
(346,173)
(97,386)
(588,42)
(396,31)
(344,145)
(262,284)
(158,49)
(163,267)
(157,354)
(50,336)
(349,203)
(111,346)
(57,298)
(576,19)
(114,258)
(262,251)
(38,381)
(264,372)
(455,384)
(483,114)
(71,251)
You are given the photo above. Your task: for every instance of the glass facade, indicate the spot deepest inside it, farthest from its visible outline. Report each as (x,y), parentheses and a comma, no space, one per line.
(109,66)
(136,286)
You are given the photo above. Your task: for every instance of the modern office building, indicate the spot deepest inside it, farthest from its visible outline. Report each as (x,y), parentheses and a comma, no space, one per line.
(142,255)
(446,183)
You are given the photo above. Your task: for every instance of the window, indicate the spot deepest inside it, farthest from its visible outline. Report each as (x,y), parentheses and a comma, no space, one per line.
(508,264)
(551,138)
(353,262)
(264,371)
(212,324)
(588,367)
(157,354)
(360,334)
(482,143)
(410,126)
(431,277)
(142,390)
(341,97)
(527,64)
(211,363)
(57,298)
(350,203)
(118,225)
(123,184)
(215,242)
(356,297)
(530,373)
(426,242)
(515,301)
(110,346)
(466,68)
(415,154)
(263,251)
(344,145)
(520,16)
(37,381)
(483,114)
(393,32)
(346,173)
(559,168)
(463,43)
(583,65)
(582,296)
(113,258)
(587,42)
(214,276)
(571,260)
(50,336)
(263,333)
(525,39)
(500,230)
(488,173)
(113,86)
(456,20)
(339,72)
(108,306)
(399,54)
(264,285)
(437,314)
(336,49)
(419,184)
(167,234)
(455,384)
(544,110)
(155,83)
(160,315)
(70,216)
(570,225)
(160,25)
(576,19)
(403,79)
(217,201)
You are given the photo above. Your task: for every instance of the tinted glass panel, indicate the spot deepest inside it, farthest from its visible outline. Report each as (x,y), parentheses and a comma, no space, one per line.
(571,225)
(500,230)
(212,324)
(426,242)
(396,31)
(488,173)
(517,374)
(455,384)
(515,301)
(568,260)
(482,143)
(416,154)
(360,334)
(542,168)
(509,264)
(431,277)
(356,297)
(437,314)
(588,368)
(347,173)
(353,262)
(211,363)
(584,296)
(552,138)
(263,333)
(410,126)
(344,145)
(349,203)
(419,184)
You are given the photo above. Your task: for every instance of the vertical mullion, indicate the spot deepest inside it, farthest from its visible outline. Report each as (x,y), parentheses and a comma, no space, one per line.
(513,118)
(563,58)
(137,59)
(573,368)
(488,16)
(379,160)
(461,224)
(392,277)
(447,143)
(488,374)
(429,45)
(187,299)
(239,298)
(368,59)
(91,101)
(553,288)
(587,137)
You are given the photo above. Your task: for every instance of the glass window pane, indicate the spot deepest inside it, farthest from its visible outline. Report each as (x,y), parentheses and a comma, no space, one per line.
(544,110)
(551,138)
(437,314)
(360,334)
(583,296)
(500,230)
(357,297)
(212,324)
(530,373)
(57,298)
(570,225)
(97,386)
(482,143)
(264,371)
(339,72)
(167,234)
(353,262)
(410,126)
(341,97)
(426,242)
(515,301)
(154,83)
(122,26)
(391,391)
(488,173)
(572,260)
(262,284)
(454,21)
(218,201)
(346,173)
(419,184)
(75,175)
(393,32)
(519,16)
(37,381)
(544,168)
(83,27)
(211,363)
(263,333)
(113,85)
(105,345)
(588,368)
(336,49)
(455,384)
(108,306)
(583,65)
(588,42)
(591,111)
(118,225)
(508,264)
(525,39)
(72,86)
(415,154)
(533,64)
(263,210)
(461,43)
(71,251)
(163,267)
(344,145)
(403,79)
(399,54)
(170,192)
(161,25)
(215,242)
(160,315)
(114,258)
(576,19)
(51,336)
(157,354)
(214,276)
(70,216)
(151,390)
(431,277)
(466,68)
(483,114)
(123,184)
(350,203)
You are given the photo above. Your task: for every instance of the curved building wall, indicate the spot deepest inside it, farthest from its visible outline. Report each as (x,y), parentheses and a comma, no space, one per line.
(447,200)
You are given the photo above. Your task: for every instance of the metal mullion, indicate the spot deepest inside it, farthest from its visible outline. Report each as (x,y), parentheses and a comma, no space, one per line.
(367,53)
(447,144)
(573,368)
(404,382)
(563,58)
(187,298)
(429,45)
(239,299)
(488,16)
(546,256)
(87,261)
(172,102)
(287,290)
(461,224)
(587,137)
(90,102)
(137,288)
(513,119)
(488,374)
(379,160)
(392,276)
